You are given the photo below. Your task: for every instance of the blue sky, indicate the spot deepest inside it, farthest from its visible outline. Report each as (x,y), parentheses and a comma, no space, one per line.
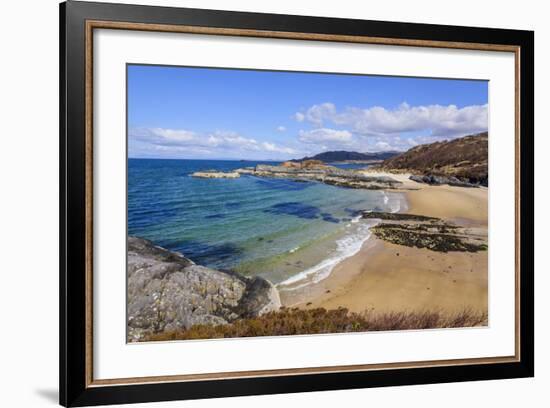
(205,113)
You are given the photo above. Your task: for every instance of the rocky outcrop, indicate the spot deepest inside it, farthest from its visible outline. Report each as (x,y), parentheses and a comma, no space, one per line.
(324,174)
(246,170)
(427,232)
(167,292)
(387,216)
(463,159)
(311,163)
(216,174)
(346,156)
(305,164)
(440,180)
(295,165)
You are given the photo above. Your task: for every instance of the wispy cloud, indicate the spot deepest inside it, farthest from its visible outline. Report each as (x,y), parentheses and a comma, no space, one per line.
(325,135)
(186,143)
(299,116)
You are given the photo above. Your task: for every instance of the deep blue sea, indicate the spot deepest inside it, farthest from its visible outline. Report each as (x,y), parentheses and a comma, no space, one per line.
(289,232)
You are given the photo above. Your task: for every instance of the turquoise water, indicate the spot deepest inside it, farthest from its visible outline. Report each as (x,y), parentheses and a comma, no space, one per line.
(289,232)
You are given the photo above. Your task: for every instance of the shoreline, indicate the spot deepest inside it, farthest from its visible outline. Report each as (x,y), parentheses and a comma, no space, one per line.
(385,277)
(318,272)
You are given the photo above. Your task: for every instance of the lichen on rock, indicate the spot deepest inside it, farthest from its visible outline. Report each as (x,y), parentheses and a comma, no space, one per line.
(167,291)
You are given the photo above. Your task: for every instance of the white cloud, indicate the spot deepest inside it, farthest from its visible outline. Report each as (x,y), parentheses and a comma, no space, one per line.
(175,135)
(317,114)
(179,142)
(281,128)
(383,145)
(316,140)
(441,121)
(324,135)
(271,147)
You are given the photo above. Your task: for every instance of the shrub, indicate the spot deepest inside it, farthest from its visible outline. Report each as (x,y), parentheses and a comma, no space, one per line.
(294,321)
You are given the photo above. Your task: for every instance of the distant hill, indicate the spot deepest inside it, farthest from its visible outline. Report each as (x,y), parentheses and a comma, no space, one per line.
(342,155)
(465,158)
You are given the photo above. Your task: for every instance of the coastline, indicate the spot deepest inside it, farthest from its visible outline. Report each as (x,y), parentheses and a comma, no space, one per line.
(384,277)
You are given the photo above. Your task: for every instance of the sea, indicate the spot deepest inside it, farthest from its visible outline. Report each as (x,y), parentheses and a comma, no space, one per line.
(291,233)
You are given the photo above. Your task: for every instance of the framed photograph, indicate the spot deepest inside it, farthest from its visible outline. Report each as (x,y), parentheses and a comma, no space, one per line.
(257,203)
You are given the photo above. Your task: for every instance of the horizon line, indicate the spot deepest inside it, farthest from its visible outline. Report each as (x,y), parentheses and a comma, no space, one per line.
(181,158)
(268,160)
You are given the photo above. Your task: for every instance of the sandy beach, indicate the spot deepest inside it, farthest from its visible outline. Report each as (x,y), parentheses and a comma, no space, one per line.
(384,277)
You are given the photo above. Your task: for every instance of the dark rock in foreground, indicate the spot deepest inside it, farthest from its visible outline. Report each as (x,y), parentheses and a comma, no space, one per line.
(427,232)
(167,292)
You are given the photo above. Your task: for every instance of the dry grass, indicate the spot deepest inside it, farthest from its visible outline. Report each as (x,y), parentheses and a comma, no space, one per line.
(316,321)
(465,158)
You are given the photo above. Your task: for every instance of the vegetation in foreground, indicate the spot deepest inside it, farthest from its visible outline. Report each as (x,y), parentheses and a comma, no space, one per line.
(294,321)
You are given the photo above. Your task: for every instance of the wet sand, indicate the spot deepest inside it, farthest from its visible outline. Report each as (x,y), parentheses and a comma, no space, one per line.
(384,277)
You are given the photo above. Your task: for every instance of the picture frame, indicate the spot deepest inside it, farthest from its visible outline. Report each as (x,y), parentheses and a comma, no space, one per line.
(79,21)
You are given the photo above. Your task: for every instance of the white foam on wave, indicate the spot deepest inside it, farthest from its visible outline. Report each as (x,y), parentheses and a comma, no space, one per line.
(346,246)
(394,203)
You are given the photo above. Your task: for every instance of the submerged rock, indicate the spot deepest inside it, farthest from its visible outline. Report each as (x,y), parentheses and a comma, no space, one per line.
(167,291)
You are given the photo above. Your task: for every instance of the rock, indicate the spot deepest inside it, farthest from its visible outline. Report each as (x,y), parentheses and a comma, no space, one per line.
(313,171)
(295,165)
(216,174)
(167,291)
(245,170)
(463,160)
(426,232)
(439,180)
(311,163)
(260,297)
(304,164)
(396,216)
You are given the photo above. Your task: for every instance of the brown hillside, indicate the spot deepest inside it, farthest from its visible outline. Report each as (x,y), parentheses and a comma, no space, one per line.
(465,158)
